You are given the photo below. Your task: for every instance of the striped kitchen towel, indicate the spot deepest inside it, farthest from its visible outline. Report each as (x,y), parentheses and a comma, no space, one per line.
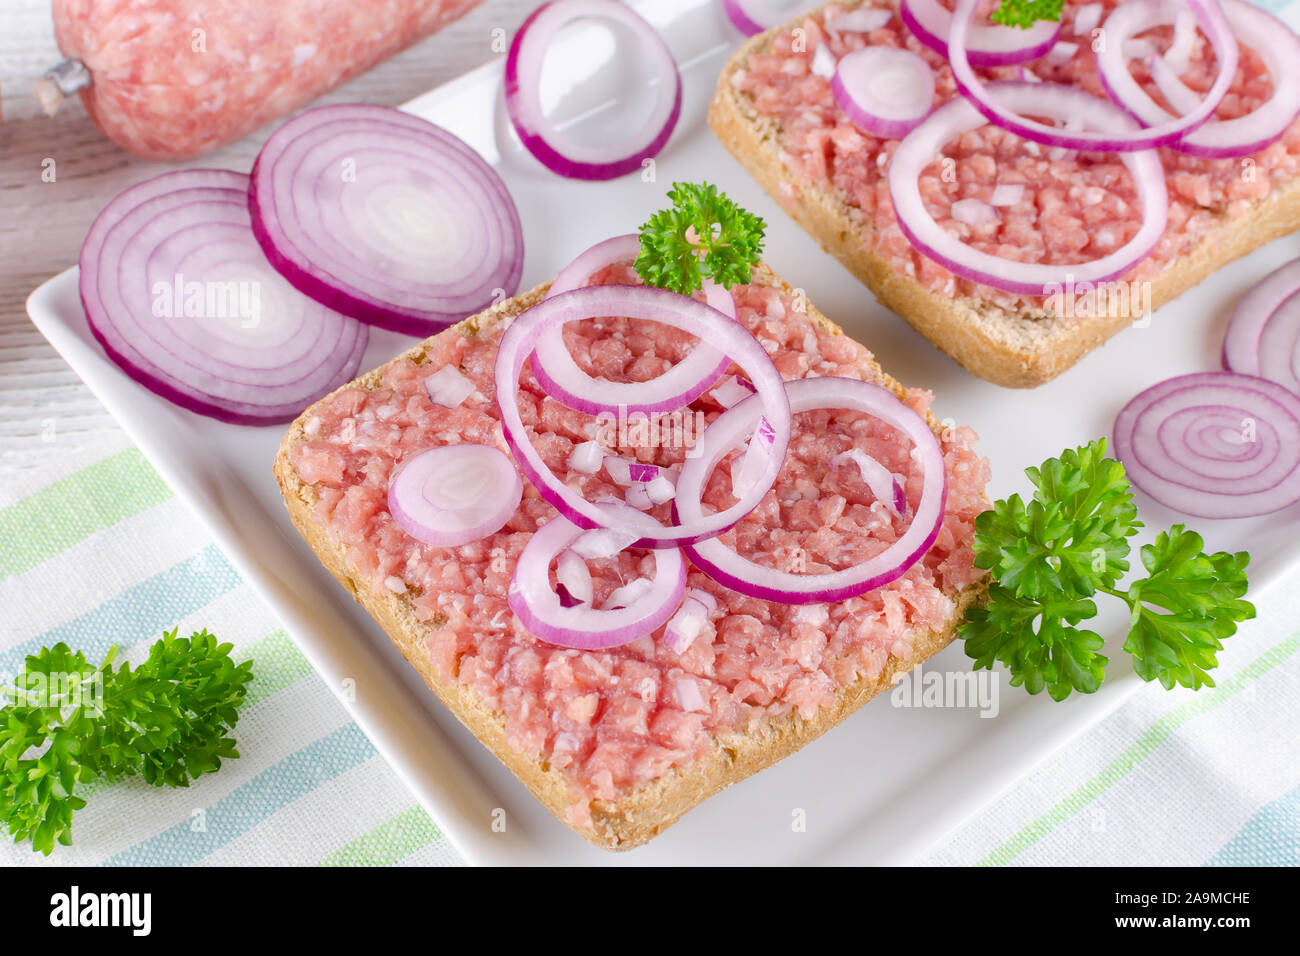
(100,553)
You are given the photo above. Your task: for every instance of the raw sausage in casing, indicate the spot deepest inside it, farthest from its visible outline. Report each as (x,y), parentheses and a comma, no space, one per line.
(175,78)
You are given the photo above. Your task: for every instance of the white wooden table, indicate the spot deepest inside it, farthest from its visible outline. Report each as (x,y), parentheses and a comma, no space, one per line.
(45,411)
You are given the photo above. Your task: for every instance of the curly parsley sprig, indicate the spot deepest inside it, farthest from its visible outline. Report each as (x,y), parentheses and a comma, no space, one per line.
(703,235)
(68,722)
(1025,13)
(1049,557)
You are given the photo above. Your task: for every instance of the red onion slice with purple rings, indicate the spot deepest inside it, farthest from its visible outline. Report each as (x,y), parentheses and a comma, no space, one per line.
(1213,444)
(562,379)
(658,305)
(729,568)
(987,44)
(177,291)
(884,91)
(1262,333)
(541,137)
(1123,23)
(455,494)
(1271,39)
(385,217)
(540,609)
(959,116)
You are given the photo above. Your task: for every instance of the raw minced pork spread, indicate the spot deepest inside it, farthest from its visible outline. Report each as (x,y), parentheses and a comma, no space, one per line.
(1074,207)
(613,720)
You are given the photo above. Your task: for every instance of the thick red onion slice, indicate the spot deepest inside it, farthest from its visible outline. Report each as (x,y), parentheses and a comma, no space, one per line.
(542,612)
(883,90)
(178,293)
(523,94)
(455,494)
(562,379)
(1263,335)
(1213,444)
(1274,42)
(658,305)
(385,217)
(740,574)
(1112,62)
(1053,100)
(986,45)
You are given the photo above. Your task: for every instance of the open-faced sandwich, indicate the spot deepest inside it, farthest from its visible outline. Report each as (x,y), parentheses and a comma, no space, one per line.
(1017,181)
(732,528)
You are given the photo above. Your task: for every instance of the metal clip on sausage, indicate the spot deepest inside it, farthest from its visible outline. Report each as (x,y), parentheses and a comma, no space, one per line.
(60,82)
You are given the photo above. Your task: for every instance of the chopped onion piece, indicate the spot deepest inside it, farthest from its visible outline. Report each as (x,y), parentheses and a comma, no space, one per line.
(572,574)
(1007,194)
(732,390)
(974,212)
(861,20)
(824,61)
(448,387)
(1179,55)
(1063,52)
(628,594)
(885,486)
(688,695)
(661,489)
(1086,19)
(587,457)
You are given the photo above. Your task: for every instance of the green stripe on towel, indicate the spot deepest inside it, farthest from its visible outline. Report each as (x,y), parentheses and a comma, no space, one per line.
(389,842)
(43,524)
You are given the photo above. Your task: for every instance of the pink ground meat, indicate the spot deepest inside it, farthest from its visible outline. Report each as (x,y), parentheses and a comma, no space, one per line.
(613,720)
(1075,206)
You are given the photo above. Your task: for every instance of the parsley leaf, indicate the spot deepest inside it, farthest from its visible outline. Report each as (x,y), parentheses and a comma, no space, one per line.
(1050,556)
(1200,596)
(68,721)
(1025,13)
(704,235)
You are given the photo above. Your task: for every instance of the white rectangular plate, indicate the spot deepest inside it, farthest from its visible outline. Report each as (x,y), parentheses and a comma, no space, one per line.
(891,781)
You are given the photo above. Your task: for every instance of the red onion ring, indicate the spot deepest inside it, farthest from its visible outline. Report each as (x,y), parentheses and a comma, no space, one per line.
(561,378)
(454,494)
(1274,42)
(539,135)
(191,228)
(958,116)
(1177,443)
(740,574)
(544,615)
(988,44)
(1124,22)
(752,17)
(884,91)
(1263,336)
(385,217)
(659,305)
